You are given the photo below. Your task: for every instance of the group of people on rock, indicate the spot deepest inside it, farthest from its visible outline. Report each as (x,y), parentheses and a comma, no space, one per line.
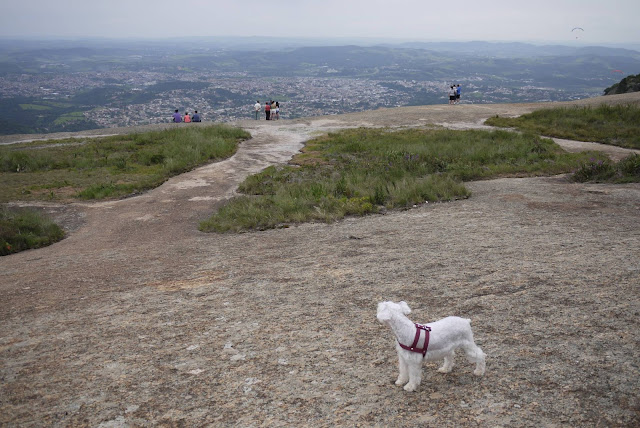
(454,94)
(271,109)
(177,118)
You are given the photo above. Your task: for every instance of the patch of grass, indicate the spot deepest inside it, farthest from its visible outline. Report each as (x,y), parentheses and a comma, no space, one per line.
(626,170)
(109,167)
(23,229)
(34,107)
(357,172)
(57,104)
(69,117)
(617,125)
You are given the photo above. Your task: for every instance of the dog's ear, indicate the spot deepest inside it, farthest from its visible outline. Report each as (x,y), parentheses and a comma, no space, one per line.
(384,314)
(405,308)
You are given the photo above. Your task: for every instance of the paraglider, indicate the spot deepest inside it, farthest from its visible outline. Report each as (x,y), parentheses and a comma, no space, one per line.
(578,29)
(617,71)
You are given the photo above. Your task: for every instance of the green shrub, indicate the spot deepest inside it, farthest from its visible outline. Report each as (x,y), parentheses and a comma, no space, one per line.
(626,170)
(593,170)
(99,191)
(23,229)
(630,166)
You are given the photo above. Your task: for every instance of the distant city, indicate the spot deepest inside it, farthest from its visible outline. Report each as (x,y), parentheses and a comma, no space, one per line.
(70,88)
(298,96)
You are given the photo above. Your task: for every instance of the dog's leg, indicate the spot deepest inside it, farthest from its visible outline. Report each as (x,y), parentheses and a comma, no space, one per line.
(403,376)
(415,375)
(475,355)
(448,362)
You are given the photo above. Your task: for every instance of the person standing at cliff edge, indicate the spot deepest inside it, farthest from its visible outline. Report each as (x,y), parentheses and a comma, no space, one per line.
(458,94)
(267,110)
(452,95)
(257,107)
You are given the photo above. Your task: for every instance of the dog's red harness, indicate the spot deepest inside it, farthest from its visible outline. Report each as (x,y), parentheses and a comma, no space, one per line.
(414,346)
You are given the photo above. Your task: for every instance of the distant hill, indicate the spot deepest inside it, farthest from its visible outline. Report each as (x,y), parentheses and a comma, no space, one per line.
(626,85)
(516,49)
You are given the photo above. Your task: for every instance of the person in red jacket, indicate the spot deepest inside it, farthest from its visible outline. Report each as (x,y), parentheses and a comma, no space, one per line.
(267,110)
(187,118)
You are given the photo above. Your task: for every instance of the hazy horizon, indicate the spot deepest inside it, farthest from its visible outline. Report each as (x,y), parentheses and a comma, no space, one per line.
(546,21)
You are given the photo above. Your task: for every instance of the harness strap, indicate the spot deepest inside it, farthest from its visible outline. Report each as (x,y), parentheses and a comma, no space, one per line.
(414,345)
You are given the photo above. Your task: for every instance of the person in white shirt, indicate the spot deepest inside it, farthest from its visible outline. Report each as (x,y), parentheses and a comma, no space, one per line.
(257,107)
(452,95)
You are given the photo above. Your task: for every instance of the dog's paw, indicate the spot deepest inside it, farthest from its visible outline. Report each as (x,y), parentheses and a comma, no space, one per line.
(444,369)
(401,382)
(478,372)
(410,387)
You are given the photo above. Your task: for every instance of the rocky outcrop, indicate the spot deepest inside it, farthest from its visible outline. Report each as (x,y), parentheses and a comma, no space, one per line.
(626,85)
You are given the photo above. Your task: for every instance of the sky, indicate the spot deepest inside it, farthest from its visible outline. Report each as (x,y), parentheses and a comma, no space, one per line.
(603,21)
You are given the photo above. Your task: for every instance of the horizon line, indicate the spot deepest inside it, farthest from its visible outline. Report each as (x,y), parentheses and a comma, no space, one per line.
(330,40)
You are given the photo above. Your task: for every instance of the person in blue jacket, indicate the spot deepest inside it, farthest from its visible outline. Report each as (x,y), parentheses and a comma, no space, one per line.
(196,117)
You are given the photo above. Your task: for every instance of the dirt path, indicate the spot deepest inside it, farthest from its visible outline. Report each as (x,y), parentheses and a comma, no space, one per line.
(138,319)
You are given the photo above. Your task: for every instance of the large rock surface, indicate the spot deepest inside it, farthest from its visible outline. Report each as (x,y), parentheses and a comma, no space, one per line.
(139,319)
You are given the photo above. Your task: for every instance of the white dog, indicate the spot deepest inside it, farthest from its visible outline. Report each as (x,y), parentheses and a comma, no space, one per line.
(445,336)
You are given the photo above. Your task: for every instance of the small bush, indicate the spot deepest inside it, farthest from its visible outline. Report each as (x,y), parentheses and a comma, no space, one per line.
(594,170)
(23,229)
(98,191)
(379,195)
(630,166)
(626,170)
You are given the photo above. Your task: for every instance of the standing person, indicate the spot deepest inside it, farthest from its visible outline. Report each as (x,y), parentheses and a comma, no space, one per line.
(267,110)
(452,95)
(458,94)
(277,110)
(176,117)
(196,117)
(187,119)
(257,108)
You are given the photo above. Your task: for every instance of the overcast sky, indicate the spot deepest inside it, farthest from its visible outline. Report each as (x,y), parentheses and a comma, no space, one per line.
(603,21)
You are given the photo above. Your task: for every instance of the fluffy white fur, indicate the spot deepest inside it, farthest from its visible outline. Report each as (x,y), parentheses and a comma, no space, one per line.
(447,335)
